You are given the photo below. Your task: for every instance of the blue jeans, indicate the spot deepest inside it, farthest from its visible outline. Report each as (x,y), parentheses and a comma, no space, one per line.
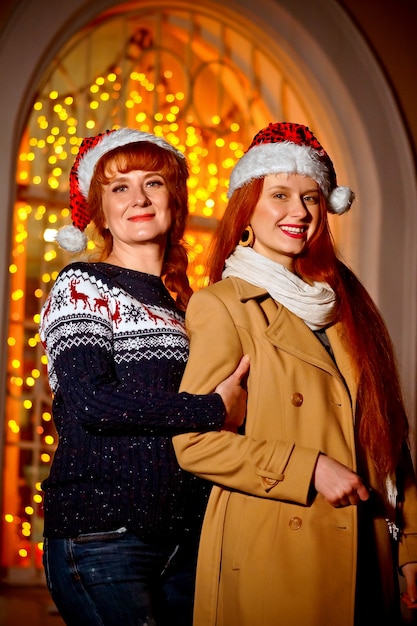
(115,579)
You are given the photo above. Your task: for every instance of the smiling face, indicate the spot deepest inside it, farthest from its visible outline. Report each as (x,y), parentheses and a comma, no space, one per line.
(285,217)
(136,207)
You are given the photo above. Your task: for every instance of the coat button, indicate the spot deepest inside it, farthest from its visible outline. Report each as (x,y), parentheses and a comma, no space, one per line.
(297,399)
(295,523)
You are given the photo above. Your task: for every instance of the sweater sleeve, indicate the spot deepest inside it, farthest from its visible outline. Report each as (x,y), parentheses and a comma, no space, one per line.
(274,468)
(79,344)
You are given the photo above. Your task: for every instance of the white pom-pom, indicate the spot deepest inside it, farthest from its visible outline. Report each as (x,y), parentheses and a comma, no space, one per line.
(72,239)
(340,200)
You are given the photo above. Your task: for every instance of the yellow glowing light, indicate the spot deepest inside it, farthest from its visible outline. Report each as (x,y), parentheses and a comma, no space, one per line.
(219,142)
(179,95)
(104,97)
(40,545)
(8,518)
(207,212)
(36,373)
(38,486)
(14,426)
(94,89)
(17,381)
(46,416)
(32,342)
(44,359)
(228,163)
(210,203)
(38,106)
(46,278)
(93,105)
(23,553)
(90,124)
(234,126)
(25,524)
(50,255)
(37,318)
(170,97)
(36,180)
(27,404)
(69,100)
(26,532)
(13,269)
(53,95)
(45,458)
(111,77)
(17,295)
(215,119)
(23,176)
(11,341)
(29,381)
(49,440)
(49,235)
(29,510)
(37,498)
(21,237)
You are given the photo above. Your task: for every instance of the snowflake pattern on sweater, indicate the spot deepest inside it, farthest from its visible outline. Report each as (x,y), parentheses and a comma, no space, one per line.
(117,348)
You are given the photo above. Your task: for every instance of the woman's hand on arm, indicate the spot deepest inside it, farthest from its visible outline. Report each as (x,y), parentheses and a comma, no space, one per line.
(234,396)
(339,485)
(409,597)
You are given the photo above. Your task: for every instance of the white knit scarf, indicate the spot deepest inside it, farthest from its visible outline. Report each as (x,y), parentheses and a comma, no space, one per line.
(315,303)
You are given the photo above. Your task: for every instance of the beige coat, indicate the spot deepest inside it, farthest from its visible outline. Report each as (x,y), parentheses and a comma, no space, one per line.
(272,552)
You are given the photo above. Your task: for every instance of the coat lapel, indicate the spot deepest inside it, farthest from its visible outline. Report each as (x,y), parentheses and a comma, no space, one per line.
(284,327)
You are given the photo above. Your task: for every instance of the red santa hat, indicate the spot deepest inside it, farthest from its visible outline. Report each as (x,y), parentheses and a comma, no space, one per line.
(73,238)
(293,149)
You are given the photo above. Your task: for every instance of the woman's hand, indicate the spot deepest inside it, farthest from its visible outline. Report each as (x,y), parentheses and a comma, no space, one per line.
(409,597)
(234,396)
(338,484)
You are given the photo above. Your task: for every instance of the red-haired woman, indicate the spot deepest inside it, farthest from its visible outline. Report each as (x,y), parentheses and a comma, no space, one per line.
(315,504)
(122,520)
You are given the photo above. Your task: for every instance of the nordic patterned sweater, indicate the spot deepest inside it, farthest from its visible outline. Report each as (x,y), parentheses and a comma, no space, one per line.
(117,348)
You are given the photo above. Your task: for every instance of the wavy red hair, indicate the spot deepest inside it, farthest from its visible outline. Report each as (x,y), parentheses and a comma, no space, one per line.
(148,156)
(383,424)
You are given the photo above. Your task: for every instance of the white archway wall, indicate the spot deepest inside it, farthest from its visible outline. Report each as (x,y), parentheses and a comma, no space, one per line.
(352,105)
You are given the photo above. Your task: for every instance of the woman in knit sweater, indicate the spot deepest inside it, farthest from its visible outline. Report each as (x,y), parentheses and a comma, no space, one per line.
(122,520)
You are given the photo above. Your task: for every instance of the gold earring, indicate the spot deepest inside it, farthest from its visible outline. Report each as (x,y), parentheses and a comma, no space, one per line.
(247,238)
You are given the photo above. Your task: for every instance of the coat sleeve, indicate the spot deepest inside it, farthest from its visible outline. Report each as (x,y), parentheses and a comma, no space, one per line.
(272,469)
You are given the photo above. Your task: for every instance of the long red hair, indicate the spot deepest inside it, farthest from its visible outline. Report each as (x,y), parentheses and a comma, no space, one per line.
(148,156)
(383,424)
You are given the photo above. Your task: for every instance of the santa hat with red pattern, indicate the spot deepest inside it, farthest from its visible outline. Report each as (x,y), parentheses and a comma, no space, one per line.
(73,238)
(293,149)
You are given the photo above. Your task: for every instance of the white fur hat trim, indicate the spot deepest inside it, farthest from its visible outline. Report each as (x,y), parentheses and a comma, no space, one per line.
(117,138)
(288,157)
